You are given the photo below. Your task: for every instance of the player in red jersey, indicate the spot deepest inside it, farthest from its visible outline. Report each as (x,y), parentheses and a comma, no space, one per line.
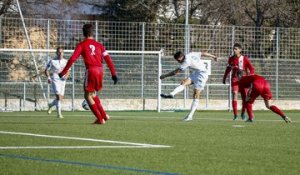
(93,54)
(239,65)
(256,86)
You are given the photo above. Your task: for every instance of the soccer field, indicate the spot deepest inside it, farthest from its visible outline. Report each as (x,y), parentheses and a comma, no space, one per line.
(145,143)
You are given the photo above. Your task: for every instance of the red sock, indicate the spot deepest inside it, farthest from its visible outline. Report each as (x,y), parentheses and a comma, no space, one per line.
(234,106)
(96,112)
(100,107)
(243,108)
(249,110)
(277,110)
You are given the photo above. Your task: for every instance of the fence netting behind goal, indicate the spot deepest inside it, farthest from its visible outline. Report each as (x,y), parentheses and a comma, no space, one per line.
(20,89)
(138,87)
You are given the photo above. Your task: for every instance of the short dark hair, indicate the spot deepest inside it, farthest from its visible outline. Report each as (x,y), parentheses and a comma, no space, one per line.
(237,45)
(178,55)
(87,30)
(58,48)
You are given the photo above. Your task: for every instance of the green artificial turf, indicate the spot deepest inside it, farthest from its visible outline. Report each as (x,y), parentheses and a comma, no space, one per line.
(211,144)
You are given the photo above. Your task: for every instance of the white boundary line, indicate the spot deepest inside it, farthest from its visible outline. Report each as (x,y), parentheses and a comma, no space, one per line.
(125,144)
(74,147)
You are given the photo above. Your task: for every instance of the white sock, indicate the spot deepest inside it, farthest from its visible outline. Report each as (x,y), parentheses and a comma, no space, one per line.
(58,107)
(194,106)
(177,90)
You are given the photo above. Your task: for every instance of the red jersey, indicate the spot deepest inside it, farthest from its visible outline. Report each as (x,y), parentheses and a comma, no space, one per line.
(93,54)
(256,85)
(238,64)
(246,81)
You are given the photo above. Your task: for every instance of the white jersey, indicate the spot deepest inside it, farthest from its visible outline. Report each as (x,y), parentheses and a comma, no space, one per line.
(193,60)
(55,66)
(200,75)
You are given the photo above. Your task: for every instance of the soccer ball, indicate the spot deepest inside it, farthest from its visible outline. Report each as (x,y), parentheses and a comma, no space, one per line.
(85,105)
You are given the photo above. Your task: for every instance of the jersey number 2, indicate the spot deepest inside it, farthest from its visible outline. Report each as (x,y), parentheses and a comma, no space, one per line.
(93,48)
(206,65)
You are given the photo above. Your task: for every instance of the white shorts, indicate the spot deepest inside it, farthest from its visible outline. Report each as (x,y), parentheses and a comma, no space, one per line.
(199,79)
(58,86)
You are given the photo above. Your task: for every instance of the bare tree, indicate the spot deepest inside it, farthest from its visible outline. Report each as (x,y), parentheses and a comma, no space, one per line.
(131,10)
(256,13)
(5,6)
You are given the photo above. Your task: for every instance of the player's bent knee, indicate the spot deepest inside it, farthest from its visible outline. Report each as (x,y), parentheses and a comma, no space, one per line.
(196,97)
(267,106)
(185,82)
(234,93)
(196,94)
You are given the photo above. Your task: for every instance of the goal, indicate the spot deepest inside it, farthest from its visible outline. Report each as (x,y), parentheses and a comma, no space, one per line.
(137,89)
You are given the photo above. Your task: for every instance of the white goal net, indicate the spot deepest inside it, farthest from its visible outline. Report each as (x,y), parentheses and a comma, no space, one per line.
(137,89)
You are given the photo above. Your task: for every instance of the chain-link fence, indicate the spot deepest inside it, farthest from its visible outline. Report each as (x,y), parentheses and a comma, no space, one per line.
(273,51)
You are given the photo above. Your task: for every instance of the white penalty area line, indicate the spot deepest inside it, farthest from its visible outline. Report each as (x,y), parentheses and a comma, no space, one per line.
(74,147)
(123,144)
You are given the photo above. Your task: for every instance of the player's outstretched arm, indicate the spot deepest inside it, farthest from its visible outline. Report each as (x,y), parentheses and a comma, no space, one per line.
(47,75)
(227,70)
(250,66)
(172,73)
(111,67)
(73,58)
(210,55)
(66,76)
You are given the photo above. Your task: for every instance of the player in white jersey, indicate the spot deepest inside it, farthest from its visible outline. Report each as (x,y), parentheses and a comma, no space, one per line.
(198,78)
(55,66)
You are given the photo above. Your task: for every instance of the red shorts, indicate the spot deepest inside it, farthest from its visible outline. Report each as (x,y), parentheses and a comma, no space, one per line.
(234,84)
(259,87)
(93,79)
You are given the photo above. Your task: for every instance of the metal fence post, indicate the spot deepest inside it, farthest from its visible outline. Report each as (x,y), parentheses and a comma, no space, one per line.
(159,83)
(142,62)
(48,47)
(229,89)
(24,95)
(186,51)
(96,31)
(5,101)
(277,60)
(207,94)
(73,88)
(1,29)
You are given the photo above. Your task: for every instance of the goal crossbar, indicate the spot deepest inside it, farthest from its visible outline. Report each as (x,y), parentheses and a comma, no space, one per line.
(70,51)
